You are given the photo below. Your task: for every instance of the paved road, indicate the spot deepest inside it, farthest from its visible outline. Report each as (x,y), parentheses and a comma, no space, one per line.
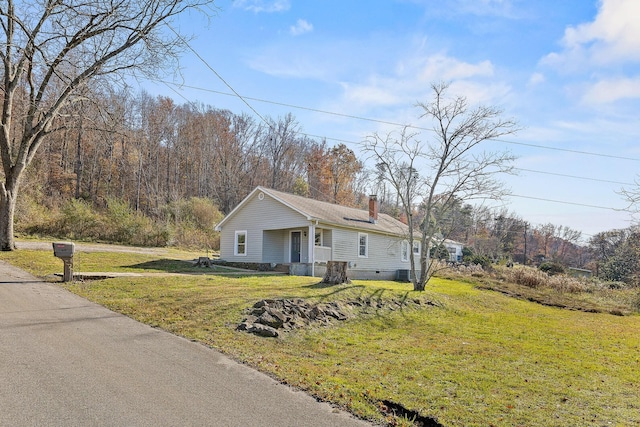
(65,361)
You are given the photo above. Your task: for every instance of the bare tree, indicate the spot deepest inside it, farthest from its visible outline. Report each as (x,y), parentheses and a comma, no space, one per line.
(451,168)
(284,151)
(632,196)
(51,49)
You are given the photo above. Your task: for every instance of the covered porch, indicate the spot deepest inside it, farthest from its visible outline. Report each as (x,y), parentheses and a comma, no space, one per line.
(306,250)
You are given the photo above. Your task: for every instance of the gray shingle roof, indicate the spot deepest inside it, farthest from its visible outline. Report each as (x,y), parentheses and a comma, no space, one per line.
(332,214)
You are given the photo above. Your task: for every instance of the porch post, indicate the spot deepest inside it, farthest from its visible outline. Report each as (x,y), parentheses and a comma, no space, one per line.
(312,247)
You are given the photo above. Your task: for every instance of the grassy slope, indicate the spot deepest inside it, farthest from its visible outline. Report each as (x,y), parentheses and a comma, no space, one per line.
(479,359)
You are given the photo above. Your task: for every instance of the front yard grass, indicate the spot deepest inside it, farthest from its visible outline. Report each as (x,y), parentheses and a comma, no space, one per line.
(475,358)
(43,263)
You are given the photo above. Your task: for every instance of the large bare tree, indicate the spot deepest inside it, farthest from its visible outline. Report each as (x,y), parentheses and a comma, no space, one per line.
(51,49)
(451,167)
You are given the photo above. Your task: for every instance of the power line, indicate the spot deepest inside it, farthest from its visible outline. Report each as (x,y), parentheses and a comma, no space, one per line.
(575,177)
(217,75)
(512,195)
(569,203)
(244,100)
(566,150)
(515,168)
(350,116)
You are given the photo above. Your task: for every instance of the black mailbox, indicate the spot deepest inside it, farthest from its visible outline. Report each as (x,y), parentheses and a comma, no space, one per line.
(63,249)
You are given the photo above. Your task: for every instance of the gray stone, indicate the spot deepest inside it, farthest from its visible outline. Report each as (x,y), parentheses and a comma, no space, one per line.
(258,311)
(270,315)
(244,326)
(263,330)
(250,319)
(267,319)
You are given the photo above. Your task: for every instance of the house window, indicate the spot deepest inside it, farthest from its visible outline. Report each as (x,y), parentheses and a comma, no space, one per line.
(404,251)
(363,245)
(240,247)
(319,238)
(416,247)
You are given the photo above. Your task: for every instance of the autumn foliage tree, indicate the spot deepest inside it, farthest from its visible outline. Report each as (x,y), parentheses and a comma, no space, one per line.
(332,173)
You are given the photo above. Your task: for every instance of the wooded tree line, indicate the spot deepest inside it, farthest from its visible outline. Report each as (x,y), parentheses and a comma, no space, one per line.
(150,151)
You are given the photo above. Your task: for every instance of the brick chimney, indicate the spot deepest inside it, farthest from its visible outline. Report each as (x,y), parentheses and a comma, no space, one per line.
(373,209)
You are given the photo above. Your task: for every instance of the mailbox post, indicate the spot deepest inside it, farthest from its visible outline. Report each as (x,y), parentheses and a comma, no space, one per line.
(65,251)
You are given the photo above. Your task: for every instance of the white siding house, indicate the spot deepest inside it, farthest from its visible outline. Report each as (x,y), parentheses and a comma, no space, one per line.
(274,227)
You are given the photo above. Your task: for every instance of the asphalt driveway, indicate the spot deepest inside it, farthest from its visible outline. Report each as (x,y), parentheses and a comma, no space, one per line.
(65,361)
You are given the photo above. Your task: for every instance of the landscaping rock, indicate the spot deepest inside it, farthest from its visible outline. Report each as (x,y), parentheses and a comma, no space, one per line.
(262,330)
(269,319)
(268,316)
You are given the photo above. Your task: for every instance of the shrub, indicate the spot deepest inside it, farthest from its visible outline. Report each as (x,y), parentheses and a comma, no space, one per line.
(187,223)
(552,268)
(205,213)
(635,303)
(534,278)
(481,260)
(188,236)
(79,221)
(529,277)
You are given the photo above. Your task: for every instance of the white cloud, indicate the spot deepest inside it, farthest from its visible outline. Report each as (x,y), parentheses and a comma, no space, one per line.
(301,27)
(613,37)
(487,7)
(442,67)
(611,90)
(607,46)
(374,95)
(536,79)
(268,6)
(499,8)
(412,81)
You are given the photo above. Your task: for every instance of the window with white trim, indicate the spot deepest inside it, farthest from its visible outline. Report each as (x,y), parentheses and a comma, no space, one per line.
(363,245)
(240,246)
(319,237)
(416,247)
(404,251)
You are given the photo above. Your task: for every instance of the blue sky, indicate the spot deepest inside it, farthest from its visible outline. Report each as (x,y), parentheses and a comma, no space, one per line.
(568,71)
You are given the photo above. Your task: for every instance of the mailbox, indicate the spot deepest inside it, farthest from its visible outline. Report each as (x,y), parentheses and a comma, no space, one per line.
(63,249)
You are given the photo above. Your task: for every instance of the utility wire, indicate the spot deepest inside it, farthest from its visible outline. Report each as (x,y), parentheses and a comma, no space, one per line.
(570,203)
(350,116)
(575,176)
(243,99)
(511,195)
(566,150)
(359,144)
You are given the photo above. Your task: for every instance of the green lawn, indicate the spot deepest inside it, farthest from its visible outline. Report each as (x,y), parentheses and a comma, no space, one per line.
(476,358)
(43,263)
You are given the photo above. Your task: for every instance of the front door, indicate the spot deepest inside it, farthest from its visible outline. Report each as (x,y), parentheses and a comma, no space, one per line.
(296,240)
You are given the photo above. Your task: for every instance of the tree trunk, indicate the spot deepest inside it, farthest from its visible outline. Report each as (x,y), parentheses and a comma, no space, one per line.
(7,210)
(421,283)
(336,273)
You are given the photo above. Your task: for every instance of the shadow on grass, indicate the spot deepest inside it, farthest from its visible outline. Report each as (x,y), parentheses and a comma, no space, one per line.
(374,301)
(167,266)
(337,289)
